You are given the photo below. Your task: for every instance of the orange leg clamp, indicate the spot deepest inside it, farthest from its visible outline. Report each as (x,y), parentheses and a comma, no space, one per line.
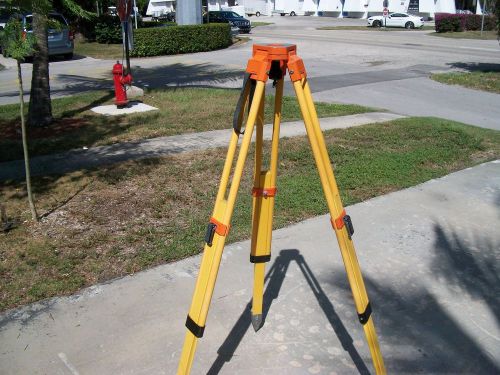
(264,192)
(338,223)
(220,229)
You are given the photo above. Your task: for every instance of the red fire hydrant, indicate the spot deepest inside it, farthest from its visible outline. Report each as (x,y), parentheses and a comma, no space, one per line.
(120,81)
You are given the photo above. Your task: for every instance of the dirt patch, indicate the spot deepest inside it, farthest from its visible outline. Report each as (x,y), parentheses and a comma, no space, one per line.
(11,130)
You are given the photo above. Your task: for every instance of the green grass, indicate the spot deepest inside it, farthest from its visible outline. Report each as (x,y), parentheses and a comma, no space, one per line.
(367,28)
(119,220)
(98,51)
(486,81)
(487,35)
(258,23)
(181,110)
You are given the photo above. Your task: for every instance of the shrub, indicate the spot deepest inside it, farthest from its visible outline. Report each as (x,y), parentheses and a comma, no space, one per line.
(181,39)
(446,22)
(108,29)
(149,24)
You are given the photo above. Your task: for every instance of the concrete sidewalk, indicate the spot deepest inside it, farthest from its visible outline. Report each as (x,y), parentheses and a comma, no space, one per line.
(430,256)
(102,155)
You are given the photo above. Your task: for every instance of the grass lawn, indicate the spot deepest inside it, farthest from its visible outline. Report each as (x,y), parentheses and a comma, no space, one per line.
(114,221)
(258,23)
(487,35)
(182,110)
(486,81)
(366,28)
(98,51)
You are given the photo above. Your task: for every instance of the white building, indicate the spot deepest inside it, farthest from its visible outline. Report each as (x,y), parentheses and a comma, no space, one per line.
(331,8)
(157,7)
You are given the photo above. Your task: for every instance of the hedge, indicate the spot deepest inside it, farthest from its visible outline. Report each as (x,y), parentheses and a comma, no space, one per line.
(447,22)
(181,39)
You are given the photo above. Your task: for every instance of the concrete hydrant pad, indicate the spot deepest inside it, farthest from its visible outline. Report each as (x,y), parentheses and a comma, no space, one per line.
(132,107)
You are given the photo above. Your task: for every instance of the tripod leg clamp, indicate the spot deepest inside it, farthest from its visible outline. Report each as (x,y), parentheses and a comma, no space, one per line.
(364,316)
(342,220)
(215,226)
(264,192)
(194,328)
(260,258)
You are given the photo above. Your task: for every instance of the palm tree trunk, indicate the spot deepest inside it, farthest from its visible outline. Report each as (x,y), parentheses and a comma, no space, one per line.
(40,107)
(34,215)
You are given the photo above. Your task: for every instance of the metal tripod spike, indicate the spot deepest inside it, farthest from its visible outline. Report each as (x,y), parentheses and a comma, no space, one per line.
(270,61)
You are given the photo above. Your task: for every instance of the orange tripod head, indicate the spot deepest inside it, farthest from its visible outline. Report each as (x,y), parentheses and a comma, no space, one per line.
(272,60)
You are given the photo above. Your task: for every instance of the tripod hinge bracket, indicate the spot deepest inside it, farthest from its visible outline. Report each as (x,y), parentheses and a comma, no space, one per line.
(342,220)
(364,316)
(296,68)
(194,327)
(264,192)
(258,67)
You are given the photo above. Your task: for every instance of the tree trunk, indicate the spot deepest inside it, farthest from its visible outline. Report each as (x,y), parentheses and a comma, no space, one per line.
(34,215)
(40,107)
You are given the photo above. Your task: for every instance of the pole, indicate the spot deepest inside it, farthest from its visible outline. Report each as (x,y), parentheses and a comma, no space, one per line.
(482,17)
(127,54)
(135,13)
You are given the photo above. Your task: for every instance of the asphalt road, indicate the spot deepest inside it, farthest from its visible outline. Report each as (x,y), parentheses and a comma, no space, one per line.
(385,69)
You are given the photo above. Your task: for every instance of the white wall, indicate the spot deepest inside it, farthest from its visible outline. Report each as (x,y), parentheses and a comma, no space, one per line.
(330,6)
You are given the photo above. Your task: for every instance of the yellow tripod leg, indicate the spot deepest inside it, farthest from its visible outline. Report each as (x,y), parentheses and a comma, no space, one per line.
(263,193)
(340,221)
(216,236)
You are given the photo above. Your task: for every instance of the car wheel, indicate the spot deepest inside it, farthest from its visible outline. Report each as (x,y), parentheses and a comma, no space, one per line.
(257,14)
(377,24)
(409,25)
(292,13)
(68,56)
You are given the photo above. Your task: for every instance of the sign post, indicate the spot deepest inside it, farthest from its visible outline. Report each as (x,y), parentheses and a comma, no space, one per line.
(385,13)
(124,11)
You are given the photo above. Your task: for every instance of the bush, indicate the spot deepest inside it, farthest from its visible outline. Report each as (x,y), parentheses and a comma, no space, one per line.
(108,29)
(473,22)
(181,39)
(149,24)
(446,22)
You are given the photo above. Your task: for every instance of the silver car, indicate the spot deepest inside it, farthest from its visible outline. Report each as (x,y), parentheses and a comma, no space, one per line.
(60,37)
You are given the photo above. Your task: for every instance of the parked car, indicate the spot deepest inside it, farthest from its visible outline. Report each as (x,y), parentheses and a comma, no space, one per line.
(405,20)
(4,17)
(60,37)
(233,18)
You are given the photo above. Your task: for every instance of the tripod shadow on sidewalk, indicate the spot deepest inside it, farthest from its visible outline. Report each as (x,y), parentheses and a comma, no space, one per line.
(274,278)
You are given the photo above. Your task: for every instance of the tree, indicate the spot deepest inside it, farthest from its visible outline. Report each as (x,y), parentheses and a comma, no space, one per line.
(40,106)
(497,12)
(19,45)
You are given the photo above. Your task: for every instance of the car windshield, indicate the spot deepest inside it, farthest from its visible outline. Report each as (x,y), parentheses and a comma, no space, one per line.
(231,15)
(4,15)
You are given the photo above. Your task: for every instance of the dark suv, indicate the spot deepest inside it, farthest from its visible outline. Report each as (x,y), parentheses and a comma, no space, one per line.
(233,18)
